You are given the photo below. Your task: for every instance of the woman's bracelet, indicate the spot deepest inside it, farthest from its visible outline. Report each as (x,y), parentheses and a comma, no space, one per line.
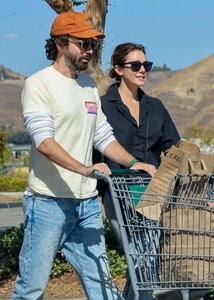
(133,161)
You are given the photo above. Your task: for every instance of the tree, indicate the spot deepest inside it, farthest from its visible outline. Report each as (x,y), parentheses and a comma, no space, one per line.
(163,68)
(96,10)
(206,137)
(2,146)
(195,132)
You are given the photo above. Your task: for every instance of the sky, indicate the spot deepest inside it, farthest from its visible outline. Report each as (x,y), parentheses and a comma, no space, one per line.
(178,33)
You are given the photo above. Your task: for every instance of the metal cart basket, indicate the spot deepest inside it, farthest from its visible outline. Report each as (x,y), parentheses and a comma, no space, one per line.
(168,239)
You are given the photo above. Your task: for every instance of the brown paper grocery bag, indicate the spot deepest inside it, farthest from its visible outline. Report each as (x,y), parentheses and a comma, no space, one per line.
(189,241)
(157,189)
(191,162)
(184,158)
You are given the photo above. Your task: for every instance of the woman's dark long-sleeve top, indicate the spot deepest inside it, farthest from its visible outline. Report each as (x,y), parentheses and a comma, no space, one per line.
(156,132)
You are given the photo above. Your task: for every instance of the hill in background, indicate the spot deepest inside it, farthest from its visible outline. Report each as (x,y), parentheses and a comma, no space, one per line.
(187,94)
(10,106)
(6,73)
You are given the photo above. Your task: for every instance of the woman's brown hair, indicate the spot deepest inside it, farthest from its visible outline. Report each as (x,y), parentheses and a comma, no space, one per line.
(119,56)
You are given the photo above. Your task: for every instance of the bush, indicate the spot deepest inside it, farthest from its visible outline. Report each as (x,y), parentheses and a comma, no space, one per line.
(60,265)
(10,245)
(12,184)
(118,266)
(117,260)
(11,241)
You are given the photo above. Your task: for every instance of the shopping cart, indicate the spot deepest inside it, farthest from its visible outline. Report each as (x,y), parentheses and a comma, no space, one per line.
(168,239)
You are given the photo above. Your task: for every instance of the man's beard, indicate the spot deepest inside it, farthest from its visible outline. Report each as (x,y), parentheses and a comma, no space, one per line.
(76,64)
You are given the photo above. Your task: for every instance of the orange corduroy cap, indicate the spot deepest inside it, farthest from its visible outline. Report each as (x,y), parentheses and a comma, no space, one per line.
(76,24)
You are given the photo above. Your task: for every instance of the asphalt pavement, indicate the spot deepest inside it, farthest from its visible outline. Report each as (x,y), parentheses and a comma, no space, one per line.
(11,213)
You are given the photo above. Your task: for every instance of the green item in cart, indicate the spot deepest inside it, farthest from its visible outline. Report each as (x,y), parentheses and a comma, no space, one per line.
(136,192)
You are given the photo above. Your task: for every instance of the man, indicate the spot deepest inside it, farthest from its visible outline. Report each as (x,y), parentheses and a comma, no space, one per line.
(62,114)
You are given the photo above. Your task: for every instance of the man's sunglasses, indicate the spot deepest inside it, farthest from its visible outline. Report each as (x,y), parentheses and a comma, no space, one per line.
(85,44)
(136,65)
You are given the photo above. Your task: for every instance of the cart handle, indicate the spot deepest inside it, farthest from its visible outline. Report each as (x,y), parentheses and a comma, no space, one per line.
(117,172)
(128,172)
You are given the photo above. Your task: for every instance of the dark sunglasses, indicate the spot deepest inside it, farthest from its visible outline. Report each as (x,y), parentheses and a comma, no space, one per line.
(136,65)
(84,44)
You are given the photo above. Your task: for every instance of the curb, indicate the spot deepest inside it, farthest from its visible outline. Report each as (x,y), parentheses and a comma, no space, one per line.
(11,205)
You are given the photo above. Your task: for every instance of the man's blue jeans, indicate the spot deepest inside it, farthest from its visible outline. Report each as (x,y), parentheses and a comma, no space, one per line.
(75,227)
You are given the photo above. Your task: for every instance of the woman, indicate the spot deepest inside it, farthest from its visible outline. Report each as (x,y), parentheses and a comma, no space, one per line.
(140,122)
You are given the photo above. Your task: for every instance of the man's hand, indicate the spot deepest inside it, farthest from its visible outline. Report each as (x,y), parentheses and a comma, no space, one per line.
(101,167)
(150,169)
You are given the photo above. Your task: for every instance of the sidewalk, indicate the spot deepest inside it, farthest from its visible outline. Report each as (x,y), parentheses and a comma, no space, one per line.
(11,213)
